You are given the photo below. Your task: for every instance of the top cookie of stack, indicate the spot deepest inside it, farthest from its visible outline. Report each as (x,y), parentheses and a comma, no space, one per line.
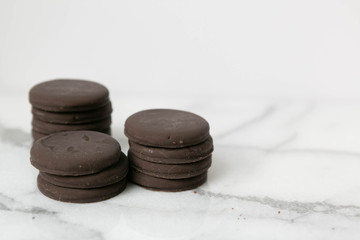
(66,105)
(170,150)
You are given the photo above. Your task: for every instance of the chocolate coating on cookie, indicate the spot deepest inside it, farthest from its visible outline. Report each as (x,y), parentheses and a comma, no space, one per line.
(166,128)
(36,135)
(108,176)
(166,185)
(76,195)
(73,117)
(74,153)
(66,95)
(167,171)
(47,128)
(173,155)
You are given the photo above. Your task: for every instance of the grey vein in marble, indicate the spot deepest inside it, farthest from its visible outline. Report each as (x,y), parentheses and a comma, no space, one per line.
(290,150)
(294,206)
(8,204)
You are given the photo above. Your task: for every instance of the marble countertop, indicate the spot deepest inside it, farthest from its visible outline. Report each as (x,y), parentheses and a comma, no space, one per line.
(282,169)
(278,82)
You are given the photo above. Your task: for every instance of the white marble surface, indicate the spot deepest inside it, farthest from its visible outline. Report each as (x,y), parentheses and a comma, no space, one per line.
(277,80)
(282,169)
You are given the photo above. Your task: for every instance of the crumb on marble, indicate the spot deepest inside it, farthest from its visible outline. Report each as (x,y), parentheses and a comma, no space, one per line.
(278,212)
(33,217)
(195,192)
(232,208)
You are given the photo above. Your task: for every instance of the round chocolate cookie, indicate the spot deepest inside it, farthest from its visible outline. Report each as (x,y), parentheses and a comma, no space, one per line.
(166,128)
(48,128)
(74,153)
(173,155)
(108,176)
(36,135)
(76,195)
(73,117)
(167,185)
(66,95)
(173,171)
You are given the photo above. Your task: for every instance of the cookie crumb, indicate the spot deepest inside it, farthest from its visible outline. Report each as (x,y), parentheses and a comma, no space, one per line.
(195,192)
(232,208)
(278,212)
(33,218)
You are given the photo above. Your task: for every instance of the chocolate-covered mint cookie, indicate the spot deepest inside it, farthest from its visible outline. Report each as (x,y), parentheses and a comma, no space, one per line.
(73,117)
(167,185)
(76,195)
(108,176)
(169,171)
(66,95)
(36,135)
(75,153)
(173,155)
(166,128)
(48,128)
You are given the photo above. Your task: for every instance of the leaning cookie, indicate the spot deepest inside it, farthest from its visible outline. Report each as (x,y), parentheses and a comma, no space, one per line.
(36,135)
(75,153)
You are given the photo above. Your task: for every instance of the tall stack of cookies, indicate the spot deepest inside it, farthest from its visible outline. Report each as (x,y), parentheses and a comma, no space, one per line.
(79,166)
(170,150)
(67,105)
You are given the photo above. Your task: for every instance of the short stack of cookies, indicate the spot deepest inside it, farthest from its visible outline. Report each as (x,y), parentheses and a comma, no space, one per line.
(79,166)
(68,105)
(170,150)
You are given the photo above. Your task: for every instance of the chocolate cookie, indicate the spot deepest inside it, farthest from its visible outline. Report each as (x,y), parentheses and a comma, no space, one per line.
(36,135)
(169,171)
(108,176)
(48,128)
(76,195)
(166,128)
(173,155)
(66,95)
(75,153)
(73,117)
(167,185)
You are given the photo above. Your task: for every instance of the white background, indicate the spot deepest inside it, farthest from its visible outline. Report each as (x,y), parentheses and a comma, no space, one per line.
(299,49)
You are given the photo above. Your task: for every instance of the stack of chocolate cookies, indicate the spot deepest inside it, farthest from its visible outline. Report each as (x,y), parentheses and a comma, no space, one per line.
(170,150)
(68,105)
(79,166)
